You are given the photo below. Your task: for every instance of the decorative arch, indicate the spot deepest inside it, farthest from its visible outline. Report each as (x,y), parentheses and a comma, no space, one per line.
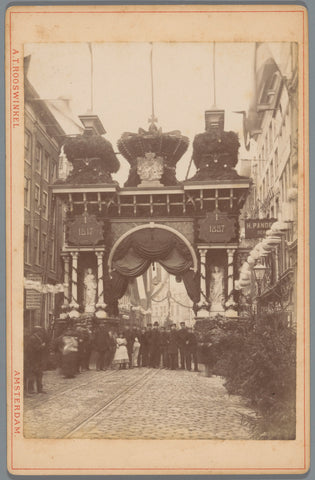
(155,226)
(132,254)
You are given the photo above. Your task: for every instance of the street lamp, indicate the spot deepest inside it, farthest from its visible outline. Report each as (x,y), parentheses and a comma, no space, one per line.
(259,272)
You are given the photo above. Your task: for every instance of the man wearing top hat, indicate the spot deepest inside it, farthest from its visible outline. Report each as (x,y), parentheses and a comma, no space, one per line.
(172,347)
(191,355)
(182,339)
(163,347)
(155,352)
(146,341)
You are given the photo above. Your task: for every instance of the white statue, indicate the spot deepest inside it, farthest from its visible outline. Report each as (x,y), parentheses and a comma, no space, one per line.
(90,287)
(216,289)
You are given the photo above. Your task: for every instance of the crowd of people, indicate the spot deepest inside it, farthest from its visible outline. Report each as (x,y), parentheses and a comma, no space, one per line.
(130,347)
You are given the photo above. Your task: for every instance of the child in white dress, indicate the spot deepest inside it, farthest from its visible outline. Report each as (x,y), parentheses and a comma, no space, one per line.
(121,355)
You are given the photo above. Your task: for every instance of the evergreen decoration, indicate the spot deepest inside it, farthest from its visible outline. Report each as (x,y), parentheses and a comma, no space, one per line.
(93,159)
(257,357)
(170,146)
(215,156)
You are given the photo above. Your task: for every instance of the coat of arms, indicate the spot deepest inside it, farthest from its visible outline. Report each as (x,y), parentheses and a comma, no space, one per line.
(150,169)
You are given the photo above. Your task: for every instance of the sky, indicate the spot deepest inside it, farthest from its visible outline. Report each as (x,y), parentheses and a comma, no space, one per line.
(182,77)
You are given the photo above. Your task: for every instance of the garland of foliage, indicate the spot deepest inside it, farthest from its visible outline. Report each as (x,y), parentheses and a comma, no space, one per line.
(208,143)
(258,361)
(91,146)
(215,156)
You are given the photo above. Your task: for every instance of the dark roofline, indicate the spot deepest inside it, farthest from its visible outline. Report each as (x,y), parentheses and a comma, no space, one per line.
(52,126)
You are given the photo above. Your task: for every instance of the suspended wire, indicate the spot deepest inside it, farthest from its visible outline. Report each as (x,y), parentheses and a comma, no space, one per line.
(92,75)
(158,301)
(213,71)
(153,119)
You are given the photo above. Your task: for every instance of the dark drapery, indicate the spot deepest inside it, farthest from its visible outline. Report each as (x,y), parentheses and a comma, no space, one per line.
(135,254)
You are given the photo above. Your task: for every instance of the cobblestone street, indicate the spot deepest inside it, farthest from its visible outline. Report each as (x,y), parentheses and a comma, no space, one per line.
(137,403)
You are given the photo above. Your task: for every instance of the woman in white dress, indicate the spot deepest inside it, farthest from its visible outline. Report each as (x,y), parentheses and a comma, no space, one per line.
(121,355)
(135,352)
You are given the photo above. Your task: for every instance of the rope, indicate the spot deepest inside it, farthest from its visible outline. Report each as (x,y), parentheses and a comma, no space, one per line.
(213,70)
(152,83)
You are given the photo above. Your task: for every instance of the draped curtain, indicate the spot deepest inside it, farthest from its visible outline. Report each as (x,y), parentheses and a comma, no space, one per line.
(135,254)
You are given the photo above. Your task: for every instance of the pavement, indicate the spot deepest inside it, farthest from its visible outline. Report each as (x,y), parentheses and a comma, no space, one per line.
(140,403)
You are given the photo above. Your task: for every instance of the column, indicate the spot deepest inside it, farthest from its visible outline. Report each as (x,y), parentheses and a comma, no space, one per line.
(74,279)
(100,279)
(230,303)
(66,260)
(230,254)
(204,303)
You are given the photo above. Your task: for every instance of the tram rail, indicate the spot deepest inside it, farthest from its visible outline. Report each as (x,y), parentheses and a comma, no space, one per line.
(36,401)
(127,392)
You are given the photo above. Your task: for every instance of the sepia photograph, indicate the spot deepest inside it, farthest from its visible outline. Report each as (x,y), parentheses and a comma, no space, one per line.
(158,254)
(160,230)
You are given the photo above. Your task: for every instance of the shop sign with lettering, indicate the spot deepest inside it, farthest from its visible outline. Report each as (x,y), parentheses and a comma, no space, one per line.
(216,227)
(85,230)
(257,227)
(32,296)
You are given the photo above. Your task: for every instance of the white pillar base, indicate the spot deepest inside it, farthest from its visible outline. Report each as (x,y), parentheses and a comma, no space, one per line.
(203,313)
(231,313)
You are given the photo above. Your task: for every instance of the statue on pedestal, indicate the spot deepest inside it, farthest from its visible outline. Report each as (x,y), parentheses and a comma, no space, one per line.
(216,294)
(90,287)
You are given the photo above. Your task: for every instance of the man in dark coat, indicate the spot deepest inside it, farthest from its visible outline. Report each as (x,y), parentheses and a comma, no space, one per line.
(35,353)
(191,352)
(172,347)
(155,352)
(163,346)
(143,352)
(182,337)
(109,356)
(101,346)
(146,339)
(130,337)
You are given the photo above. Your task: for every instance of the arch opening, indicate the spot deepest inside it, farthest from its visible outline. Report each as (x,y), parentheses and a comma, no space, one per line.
(137,249)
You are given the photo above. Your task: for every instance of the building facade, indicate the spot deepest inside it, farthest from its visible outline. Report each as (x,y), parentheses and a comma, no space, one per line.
(42,212)
(273,149)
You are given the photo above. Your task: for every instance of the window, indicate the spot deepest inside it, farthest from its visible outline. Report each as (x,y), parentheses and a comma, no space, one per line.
(267,182)
(36,246)
(271,174)
(45,205)
(266,146)
(289,172)
(52,254)
(270,136)
(277,207)
(27,192)
(52,173)
(27,146)
(38,157)
(264,190)
(46,166)
(276,163)
(272,212)
(44,245)
(285,185)
(37,197)
(26,243)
